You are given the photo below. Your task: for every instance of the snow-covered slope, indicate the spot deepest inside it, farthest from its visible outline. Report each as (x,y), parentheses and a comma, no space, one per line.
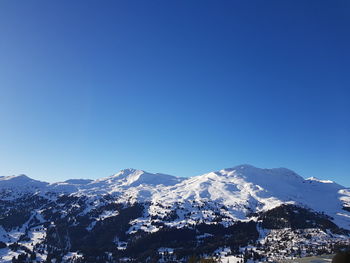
(20,182)
(118,184)
(15,186)
(243,190)
(132,204)
(132,178)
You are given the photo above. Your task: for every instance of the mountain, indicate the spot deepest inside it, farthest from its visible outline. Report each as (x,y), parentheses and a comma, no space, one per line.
(18,185)
(242,212)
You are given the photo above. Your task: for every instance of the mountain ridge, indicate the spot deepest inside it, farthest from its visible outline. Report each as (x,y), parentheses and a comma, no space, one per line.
(131,170)
(242,188)
(135,214)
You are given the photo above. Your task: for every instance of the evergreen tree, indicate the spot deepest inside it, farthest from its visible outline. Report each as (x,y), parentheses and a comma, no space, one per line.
(192,259)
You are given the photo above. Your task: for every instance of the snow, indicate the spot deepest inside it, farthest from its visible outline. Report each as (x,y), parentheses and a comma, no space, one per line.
(230,259)
(7,254)
(72,255)
(235,193)
(78,181)
(164,250)
(105,214)
(36,235)
(319,180)
(225,257)
(16,186)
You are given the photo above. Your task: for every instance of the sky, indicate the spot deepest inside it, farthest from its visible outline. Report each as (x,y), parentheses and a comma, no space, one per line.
(88,88)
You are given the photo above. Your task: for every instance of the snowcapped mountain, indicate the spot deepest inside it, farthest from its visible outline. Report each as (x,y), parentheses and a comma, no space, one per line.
(15,186)
(132,213)
(20,182)
(247,189)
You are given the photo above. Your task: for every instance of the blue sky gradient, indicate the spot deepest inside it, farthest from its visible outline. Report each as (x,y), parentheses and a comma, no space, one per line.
(181,87)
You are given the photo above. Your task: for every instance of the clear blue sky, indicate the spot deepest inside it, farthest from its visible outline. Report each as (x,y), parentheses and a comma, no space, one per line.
(181,87)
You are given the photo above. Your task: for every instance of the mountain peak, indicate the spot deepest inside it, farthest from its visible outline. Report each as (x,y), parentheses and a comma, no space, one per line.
(20,177)
(250,170)
(21,182)
(131,177)
(127,172)
(130,170)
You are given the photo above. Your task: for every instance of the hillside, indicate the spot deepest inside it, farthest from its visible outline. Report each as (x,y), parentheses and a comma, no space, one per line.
(243,212)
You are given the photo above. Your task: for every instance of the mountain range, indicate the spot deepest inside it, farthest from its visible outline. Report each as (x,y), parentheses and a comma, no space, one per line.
(242,213)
